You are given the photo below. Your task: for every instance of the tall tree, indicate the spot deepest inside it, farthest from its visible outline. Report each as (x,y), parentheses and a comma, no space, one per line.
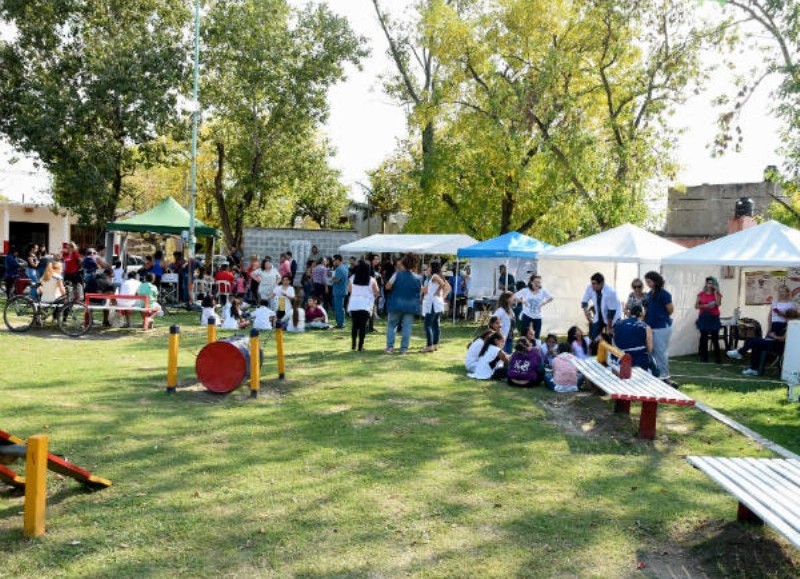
(777,41)
(87,86)
(389,185)
(551,120)
(266,72)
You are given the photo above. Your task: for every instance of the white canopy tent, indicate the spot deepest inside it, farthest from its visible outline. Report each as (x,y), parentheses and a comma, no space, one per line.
(423,244)
(769,246)
(620,254)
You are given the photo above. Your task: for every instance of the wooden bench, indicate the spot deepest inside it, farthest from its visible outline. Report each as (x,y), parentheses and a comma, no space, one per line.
(640,387)
(109,304)
(768,489)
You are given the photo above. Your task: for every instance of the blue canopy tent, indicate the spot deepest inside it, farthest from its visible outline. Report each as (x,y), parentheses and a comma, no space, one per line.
(508,245)
(511,245)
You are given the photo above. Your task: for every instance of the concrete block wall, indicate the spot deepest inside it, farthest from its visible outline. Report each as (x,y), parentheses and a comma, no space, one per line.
(704,210)
(273,242)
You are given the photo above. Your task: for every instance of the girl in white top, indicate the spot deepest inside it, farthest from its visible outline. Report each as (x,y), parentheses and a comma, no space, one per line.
(506,316)
(781,305)
(433,295)
(533,298)
(490,359)
(283,298)
(209,304)
(119,273)
(232,318)
(297,323)
(263,318)
(363,291)
(474,351)
(52,286)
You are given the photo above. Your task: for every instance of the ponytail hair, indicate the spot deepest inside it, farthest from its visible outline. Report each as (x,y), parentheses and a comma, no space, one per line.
(493,337)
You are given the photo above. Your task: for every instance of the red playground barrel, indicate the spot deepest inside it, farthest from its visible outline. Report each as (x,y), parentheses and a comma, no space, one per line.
(221,366)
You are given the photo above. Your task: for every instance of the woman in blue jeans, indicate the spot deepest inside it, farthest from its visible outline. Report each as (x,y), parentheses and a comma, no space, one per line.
(434,291)
(403,303)
(31,265)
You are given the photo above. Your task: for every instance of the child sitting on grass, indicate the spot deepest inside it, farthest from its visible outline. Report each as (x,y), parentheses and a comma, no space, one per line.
(549,349)
(565,376)
(209,311)
(492,359)
(263,318)
(316,316)
(232,318)
(525,367)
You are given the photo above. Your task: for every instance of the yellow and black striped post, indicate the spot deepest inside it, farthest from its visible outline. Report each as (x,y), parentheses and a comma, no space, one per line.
(35,486)
(172,358)
(279,344)
(211,330)
(255,364)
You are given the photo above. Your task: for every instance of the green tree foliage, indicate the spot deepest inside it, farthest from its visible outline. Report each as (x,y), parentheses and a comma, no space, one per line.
(550,117)
(777,40)
(87,86)
(266,69)
(390,184)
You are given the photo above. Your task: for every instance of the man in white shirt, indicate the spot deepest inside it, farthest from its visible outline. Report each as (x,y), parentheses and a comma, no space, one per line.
(607,309)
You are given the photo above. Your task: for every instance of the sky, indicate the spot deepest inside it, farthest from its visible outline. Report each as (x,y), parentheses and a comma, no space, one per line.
(365,124)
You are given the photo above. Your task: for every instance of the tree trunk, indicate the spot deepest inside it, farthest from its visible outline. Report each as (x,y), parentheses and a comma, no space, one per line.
(219,195)
(427,158)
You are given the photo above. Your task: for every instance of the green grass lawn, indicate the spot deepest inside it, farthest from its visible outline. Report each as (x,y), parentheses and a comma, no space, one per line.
(367,465)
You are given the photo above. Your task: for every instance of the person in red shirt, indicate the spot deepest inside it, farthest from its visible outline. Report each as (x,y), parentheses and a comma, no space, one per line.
(224,274)
(72,267)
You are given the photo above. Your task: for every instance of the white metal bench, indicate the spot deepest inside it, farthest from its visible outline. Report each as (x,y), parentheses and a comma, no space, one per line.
(640,387)
(768,489)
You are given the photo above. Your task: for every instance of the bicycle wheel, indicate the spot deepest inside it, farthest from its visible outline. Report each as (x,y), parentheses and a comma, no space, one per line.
(75,319)
(19,313)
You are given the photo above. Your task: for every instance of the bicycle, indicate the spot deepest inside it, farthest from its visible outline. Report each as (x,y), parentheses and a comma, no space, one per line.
(23,312)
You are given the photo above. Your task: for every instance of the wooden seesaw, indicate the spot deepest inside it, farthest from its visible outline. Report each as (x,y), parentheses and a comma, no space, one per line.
(37,461)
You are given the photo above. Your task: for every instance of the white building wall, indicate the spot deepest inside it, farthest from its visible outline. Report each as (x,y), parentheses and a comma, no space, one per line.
(59,223)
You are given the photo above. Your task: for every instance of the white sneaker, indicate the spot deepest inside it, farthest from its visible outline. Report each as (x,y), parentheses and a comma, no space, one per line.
(750,372)
(734,355)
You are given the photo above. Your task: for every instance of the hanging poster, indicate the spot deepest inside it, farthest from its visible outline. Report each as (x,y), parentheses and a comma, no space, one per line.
(793,281)
(762,286)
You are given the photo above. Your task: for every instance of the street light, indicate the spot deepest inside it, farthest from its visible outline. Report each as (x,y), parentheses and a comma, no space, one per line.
(193,178)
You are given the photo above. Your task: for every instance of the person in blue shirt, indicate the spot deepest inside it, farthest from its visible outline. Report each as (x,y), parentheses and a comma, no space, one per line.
(339,289)
(635,338)
(658,309)
(402,303)
(12,269)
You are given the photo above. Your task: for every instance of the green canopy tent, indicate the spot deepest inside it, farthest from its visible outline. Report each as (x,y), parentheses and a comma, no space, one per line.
(167,218)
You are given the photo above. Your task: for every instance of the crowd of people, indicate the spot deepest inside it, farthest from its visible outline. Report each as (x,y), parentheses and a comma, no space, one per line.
(263,295)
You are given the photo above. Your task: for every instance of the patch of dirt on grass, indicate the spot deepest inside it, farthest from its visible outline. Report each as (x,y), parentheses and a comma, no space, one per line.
(338,409)
(589,415)
(716,549)
(370,420)
(412,402)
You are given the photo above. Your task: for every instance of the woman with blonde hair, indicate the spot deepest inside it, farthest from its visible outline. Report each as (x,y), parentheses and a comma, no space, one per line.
(52,284)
